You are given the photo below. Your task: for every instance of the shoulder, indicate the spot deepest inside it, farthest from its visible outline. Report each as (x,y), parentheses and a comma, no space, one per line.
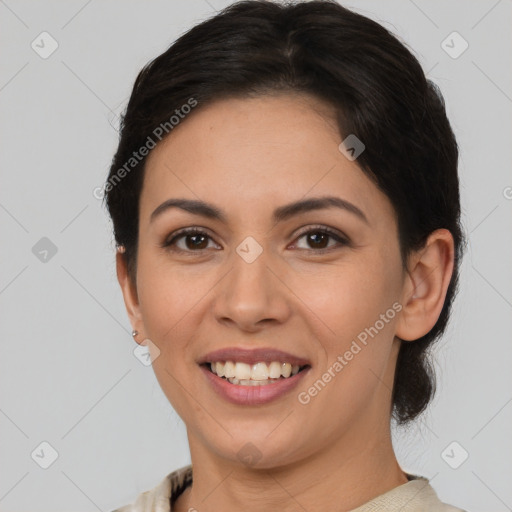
(158,498)
(417,495)
(421,496)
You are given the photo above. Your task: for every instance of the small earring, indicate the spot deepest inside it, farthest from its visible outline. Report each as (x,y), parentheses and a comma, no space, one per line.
(134,333)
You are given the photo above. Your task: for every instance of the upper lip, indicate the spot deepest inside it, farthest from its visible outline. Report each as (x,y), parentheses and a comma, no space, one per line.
(252,356)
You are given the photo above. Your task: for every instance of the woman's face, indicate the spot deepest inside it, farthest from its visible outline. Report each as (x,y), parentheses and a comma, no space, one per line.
(251,280)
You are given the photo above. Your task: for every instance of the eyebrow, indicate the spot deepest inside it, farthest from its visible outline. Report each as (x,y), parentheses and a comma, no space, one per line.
(280,214)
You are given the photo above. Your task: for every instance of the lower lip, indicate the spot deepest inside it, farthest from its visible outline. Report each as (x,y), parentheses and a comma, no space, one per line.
(252,395)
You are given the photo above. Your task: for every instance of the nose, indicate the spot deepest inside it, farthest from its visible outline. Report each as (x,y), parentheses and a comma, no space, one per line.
(252,295)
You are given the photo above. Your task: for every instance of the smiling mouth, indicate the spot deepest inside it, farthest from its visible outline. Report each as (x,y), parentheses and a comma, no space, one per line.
(258,374)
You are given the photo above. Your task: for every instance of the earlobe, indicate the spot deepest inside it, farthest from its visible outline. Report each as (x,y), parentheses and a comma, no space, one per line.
(129,291)
(426,283)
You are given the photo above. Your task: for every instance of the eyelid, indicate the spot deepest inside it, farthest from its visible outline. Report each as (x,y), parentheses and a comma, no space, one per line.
(320,227)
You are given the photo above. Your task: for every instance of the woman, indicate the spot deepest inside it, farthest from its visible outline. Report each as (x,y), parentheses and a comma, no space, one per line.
(285,203)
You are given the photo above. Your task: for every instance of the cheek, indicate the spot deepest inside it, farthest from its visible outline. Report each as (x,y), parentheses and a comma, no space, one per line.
(351,296)
(167,297)
(356,303)
(168,301)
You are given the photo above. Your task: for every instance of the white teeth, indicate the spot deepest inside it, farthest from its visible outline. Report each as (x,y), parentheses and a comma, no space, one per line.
(229,369)
(253,375)
(242,371)
(274,370)
(259,371)
(219,369)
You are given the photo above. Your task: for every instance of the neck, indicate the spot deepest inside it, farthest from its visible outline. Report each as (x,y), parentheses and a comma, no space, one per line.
(349,472)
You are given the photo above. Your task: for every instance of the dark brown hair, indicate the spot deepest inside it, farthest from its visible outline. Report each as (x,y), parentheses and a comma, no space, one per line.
(377,90)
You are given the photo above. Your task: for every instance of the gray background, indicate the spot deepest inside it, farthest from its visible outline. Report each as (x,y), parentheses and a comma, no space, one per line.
(68,373)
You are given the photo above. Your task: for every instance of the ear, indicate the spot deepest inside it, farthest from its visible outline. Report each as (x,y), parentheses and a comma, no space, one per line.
(427,278)
(129,290)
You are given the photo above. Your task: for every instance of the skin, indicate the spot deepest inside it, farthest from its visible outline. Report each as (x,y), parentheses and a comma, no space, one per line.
(247,157)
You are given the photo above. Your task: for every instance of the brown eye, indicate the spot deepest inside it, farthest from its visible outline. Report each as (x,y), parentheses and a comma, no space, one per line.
(318,239)
(196,241)
(188,240)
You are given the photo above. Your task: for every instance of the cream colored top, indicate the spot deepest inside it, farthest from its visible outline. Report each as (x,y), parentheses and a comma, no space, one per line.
(417,495)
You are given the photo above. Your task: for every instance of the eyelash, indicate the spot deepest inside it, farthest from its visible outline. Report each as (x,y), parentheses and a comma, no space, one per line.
(314,229)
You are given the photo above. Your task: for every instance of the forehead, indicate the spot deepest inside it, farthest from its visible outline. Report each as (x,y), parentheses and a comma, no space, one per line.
(247,153)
